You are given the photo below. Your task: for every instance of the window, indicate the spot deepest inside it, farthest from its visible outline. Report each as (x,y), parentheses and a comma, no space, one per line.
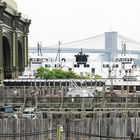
(86,65)
(76,66)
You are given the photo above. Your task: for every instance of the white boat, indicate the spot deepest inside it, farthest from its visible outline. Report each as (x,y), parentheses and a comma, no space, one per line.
(80,65)
(123,73)
(122,66)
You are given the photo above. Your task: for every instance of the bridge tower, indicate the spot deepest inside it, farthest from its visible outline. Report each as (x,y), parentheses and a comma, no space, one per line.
(110,44)
(14,31)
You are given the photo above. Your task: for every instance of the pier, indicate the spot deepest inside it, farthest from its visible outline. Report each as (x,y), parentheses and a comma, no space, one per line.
(104,116)
(88,118)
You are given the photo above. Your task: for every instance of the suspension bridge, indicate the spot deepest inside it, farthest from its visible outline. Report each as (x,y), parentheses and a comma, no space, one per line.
(95,44)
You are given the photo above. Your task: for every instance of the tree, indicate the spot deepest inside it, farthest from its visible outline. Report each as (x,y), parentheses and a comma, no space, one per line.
(91,76)
(55,74)
(98,76)
(41,72)
(59,73)
(71,74)
(45,73)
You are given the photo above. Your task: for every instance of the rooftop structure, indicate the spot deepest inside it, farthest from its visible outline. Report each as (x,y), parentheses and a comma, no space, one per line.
(11,4)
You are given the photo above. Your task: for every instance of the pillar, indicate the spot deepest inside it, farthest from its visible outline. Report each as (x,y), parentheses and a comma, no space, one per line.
(25,44)
(15,45)
(25,41)
(1,55)
(2,8)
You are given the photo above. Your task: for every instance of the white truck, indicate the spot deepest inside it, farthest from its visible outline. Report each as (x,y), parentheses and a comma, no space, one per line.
(29,113)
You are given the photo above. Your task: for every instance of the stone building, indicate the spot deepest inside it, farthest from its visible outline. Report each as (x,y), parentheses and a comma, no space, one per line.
(14,31)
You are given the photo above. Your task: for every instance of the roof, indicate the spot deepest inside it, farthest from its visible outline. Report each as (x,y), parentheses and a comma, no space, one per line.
(29,109)
(12,4)
(7,109)
(82,92)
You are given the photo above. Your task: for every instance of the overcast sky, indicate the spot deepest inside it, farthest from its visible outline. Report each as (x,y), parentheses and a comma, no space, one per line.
(70,20)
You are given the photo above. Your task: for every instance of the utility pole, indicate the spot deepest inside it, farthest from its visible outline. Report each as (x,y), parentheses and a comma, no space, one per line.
(59,43)
(58,52)
(123,48)
(40,48)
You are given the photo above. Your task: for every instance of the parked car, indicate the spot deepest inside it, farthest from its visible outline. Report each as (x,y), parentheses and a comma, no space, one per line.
(29,113)
(8,111)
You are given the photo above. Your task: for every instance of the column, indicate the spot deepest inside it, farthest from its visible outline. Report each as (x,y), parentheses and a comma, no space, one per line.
(15,45)
(1,55)
(2,8)
(25,43)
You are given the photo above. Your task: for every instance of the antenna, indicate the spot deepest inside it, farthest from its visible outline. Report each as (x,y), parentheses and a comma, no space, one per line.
(38,48)
(58,52)
(123,47)
(41,48)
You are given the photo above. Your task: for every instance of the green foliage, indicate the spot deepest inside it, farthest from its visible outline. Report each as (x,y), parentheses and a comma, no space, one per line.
(98,76)
(59,73)
(45,73)
(49,75)
(71,74)
(41,72)
(91,76)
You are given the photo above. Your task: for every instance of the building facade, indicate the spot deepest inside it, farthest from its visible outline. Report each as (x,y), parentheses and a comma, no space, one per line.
(14,31)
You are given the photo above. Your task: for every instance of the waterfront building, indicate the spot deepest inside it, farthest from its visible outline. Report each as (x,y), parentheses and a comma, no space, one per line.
(14,31)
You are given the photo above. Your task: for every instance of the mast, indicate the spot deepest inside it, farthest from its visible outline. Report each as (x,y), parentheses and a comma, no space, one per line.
(123,48)
(39,48)
(58,52)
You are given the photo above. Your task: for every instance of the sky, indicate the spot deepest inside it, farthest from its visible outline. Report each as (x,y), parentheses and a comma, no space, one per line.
(70,20)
